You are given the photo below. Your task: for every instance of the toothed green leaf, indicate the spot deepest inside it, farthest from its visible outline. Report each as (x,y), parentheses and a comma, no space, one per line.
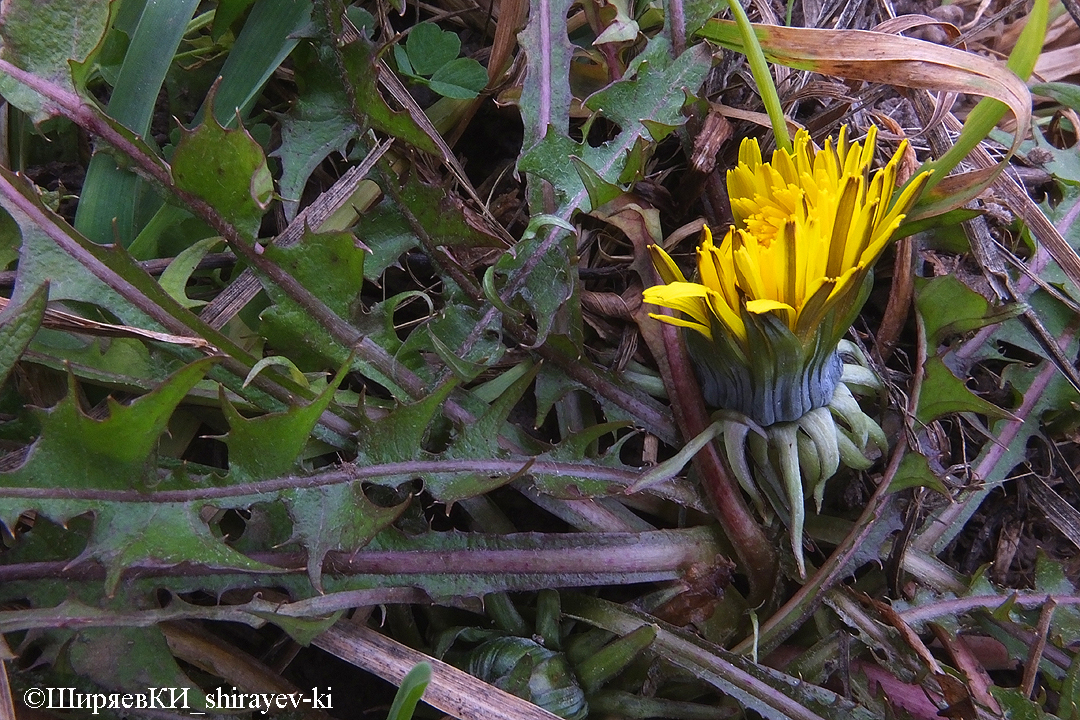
(18,325)
(335,517)
(79,455)
(269,445)
(329,265)
(41,38)
(227,169)
(166,533)
(948,307)
(914,471)
(131,660)
(400,435)
(360,65)
(76,451)
(944,393)
(317,124)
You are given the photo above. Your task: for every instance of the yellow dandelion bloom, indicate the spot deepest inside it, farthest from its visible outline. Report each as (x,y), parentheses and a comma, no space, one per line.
(773,299)
(809,226)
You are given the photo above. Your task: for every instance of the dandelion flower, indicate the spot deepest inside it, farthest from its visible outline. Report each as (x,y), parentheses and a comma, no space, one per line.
(768,309)
(774,298)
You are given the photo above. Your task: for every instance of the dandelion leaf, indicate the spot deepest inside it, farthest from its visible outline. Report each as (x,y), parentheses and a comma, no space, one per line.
(18,325)
(131,659)
(656,89)
(949,307)
(42,260)
(358,60)
(43,38)
(550,283)
(479,440)
(227,169)
(656,94)
(445,218)
(944,393)
(331,517)
(268,446)
(335,517)
(331,267)
(1050,578)
(76,456)
(317,124)
(400,435)
(914,471)
(77,452)
(410,428)
(545,94)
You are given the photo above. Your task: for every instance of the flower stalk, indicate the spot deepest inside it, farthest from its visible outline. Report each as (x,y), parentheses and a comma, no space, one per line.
(759,68)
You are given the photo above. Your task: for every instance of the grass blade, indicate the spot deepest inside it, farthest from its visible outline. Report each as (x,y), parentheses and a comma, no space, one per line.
(110,194)
(269,35)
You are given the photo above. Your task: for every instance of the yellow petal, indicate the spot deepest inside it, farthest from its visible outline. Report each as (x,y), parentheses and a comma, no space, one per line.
(760,307)
(907,196)
(808,226)
(816,306)
(671,320)
(682,296)
(846,209)
(666,268)
(706,237)
(747,271)
(708,262)
(728,314)
(750,153)
(725,266)
(782,163)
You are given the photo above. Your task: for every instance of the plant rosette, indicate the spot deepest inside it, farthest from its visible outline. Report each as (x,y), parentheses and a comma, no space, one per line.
(771,304)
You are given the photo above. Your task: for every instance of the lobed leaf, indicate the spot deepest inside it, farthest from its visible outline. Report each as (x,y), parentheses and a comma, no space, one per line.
(130,659)
(545,92)
(337,517)
(944,393)
(949,307)
(360,68)
(227,169)
(317,124)
(18,325)
(269,445)
(42,38)
(76,452)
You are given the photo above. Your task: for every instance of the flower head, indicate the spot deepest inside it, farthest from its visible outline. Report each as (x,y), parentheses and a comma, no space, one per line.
(770,306)
(809,226)
(773,299)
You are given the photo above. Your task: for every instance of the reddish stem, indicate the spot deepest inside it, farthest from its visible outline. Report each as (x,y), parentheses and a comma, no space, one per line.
(756,554)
